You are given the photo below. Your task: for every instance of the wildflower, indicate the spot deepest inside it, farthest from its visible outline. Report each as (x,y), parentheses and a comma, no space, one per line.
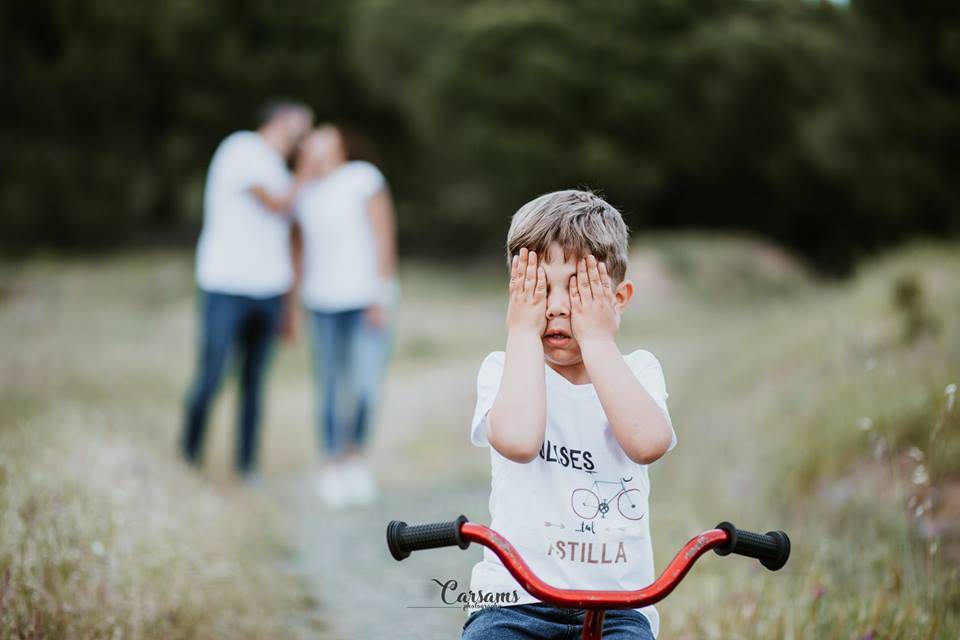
(920,475)
(951,391)
(865,423)
(879,448)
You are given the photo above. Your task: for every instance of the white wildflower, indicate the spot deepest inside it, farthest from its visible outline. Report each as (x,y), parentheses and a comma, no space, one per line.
(920,475)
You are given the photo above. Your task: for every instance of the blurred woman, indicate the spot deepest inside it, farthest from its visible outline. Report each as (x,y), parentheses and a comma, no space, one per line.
(349,287)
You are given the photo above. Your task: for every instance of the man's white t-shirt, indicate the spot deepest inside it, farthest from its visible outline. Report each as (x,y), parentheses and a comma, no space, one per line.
(340,251)
(244,248)
(578,513)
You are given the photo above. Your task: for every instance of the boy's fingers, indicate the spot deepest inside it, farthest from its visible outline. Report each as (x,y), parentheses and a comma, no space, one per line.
(530,280)
(513,271)
(583,283)
(593,274)
(521,268)
(541,291)
(574,291)
(605,278)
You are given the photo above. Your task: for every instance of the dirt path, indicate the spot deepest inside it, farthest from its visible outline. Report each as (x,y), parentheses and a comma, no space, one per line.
(363,592)
(428,472)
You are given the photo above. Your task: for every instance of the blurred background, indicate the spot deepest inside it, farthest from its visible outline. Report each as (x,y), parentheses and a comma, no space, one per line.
(828,128)
(789,171)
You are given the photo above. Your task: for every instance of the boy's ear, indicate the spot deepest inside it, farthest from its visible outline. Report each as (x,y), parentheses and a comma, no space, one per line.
(622,294)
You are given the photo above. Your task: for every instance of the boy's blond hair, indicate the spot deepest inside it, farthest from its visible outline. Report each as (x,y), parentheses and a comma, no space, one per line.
(579,221)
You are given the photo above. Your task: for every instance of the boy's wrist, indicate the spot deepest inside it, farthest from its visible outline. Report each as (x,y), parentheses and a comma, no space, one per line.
(523,334)
(598,347)
(523,331)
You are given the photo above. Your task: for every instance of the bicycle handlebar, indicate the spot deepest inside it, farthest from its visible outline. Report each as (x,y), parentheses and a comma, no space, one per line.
(772,549)
(403,538)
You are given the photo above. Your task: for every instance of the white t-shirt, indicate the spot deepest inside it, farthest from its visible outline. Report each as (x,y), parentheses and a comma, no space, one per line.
(340,251)
(578,513)
(244,248)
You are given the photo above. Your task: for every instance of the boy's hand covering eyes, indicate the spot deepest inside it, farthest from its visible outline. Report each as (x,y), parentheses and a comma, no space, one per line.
(592,302)
(528,294)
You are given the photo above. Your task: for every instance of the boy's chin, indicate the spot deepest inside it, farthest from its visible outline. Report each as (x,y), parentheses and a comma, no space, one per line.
(562,357)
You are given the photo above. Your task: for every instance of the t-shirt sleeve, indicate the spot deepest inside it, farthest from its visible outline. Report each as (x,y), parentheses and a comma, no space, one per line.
(488,383)
(368,180)
(650,374)
(246,164)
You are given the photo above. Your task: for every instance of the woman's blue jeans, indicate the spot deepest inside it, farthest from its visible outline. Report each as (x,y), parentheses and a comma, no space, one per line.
(349,358)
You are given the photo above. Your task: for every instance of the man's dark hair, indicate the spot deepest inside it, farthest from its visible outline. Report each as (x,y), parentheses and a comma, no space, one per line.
(279,107)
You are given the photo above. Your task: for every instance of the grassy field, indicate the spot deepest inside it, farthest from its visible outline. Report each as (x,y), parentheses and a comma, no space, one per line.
(824,408)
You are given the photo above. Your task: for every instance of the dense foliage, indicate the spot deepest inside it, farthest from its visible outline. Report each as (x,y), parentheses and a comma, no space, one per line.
(830,128)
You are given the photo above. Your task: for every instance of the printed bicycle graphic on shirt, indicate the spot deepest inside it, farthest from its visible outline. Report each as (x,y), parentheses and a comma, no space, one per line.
(589,503)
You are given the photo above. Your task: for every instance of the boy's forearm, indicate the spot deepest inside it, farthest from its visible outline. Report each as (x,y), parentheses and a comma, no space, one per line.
(517,420)
(639,425)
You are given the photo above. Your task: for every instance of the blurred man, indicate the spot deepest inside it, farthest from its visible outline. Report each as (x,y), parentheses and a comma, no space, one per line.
(244,269)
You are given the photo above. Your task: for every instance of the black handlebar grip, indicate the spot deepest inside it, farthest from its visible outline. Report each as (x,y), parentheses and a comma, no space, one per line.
(772,549)
(403,538)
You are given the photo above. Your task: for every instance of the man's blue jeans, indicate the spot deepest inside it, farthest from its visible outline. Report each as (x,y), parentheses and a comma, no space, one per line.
(349,358)
(232,324)
(543,622)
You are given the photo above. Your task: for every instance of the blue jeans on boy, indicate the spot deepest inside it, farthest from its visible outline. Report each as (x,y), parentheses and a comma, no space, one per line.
(349,357)
(544,622)
(232,323)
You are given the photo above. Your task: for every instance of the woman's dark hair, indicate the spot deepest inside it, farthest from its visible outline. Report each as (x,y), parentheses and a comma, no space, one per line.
(356,145)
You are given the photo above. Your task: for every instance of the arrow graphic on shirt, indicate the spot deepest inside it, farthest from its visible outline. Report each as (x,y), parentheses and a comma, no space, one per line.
(550,524)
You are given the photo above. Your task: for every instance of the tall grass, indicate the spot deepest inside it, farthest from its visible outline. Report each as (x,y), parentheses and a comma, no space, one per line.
(814,409)
(103,532)
(824,408)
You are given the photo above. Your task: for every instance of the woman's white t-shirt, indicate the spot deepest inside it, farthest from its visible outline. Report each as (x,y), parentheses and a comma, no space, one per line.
(340,251)
(244,248)
(578,513)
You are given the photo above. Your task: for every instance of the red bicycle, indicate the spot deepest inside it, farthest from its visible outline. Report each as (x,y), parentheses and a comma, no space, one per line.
(772,549)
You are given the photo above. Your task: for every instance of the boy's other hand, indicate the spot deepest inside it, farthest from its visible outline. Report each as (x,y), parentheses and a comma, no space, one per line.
(527,310)
(592,303)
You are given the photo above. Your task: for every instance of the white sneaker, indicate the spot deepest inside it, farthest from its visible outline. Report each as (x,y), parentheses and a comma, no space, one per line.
(332,487)
(361,486)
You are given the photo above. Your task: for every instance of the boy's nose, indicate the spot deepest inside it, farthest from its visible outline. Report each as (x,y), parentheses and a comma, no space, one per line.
(558,304)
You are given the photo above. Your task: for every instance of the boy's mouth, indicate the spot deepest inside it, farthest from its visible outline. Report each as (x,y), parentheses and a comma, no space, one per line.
(556,338)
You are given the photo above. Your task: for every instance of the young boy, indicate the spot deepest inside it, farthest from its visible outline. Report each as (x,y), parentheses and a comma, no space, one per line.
(572,424)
